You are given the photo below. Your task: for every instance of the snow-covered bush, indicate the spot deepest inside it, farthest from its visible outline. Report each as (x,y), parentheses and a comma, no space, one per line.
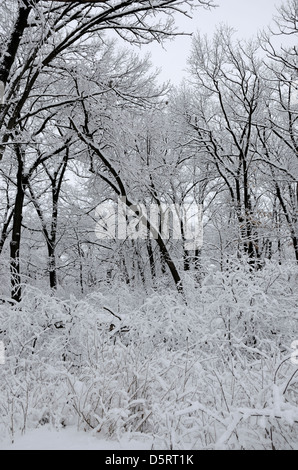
(212,372)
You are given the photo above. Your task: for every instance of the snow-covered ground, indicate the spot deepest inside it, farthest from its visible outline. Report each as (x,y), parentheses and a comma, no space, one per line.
(69,439)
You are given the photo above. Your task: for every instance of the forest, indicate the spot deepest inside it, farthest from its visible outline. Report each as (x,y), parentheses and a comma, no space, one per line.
(178,330)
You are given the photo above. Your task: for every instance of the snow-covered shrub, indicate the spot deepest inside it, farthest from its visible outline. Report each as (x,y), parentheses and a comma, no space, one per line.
(251,313)
(212,372)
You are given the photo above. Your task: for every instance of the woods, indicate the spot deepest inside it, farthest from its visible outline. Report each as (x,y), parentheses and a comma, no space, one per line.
(84,123)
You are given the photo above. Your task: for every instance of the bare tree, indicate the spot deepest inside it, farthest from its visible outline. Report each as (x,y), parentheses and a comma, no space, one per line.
(229,100)
(278,131)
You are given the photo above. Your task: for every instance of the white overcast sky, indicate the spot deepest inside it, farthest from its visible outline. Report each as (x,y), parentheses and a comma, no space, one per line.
(246,16)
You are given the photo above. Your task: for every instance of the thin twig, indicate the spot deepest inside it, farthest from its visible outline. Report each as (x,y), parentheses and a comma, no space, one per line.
(114,314)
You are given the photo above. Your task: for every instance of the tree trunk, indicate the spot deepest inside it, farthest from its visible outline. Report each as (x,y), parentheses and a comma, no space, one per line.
(14,41)
(151,259)
(52,265)
(15,243)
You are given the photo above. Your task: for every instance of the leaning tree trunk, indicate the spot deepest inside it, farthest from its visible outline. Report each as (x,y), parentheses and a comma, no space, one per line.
(8,57)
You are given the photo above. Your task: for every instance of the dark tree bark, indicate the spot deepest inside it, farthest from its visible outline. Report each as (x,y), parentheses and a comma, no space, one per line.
(9,54)
(151,259)
(15,243)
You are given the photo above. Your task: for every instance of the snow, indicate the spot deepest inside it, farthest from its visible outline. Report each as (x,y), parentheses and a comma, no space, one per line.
(173,380)
(70,439)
